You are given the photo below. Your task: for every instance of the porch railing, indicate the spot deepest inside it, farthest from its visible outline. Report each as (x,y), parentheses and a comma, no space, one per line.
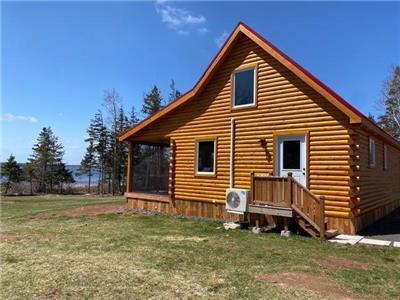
(286,192)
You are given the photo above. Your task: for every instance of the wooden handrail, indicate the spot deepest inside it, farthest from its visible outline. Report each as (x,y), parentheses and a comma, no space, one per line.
(309,207)
(304,216)
(288,192)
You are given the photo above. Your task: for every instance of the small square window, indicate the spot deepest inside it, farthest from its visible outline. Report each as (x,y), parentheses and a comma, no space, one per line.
(205,157)
(244,87)
(372,153)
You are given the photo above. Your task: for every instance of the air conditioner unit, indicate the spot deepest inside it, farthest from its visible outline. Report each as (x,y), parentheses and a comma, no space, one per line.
(236,200)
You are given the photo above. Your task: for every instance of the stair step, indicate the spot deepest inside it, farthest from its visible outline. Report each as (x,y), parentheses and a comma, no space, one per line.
(331,233)
(307,227)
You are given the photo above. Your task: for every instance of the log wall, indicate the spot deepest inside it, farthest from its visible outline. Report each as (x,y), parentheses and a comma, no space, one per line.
(285,104)
(378,189)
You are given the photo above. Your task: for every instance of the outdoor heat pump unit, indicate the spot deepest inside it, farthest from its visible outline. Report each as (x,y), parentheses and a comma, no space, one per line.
(236,200)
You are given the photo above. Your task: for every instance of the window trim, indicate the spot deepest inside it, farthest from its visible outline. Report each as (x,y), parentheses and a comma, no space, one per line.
(244,68)
(196,151)
(385,163)
(371,154)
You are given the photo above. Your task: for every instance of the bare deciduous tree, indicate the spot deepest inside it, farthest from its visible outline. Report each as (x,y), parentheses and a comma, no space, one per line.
(390,104)
(112,103)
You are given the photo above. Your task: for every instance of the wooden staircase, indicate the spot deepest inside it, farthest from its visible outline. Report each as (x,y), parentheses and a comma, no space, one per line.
(285,197)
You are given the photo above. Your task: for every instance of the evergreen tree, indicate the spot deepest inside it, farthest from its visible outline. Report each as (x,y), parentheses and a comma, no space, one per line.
(47,153)
(99,133)
(152,101)
(29,174)
(133,118)
(122,149)
(390,120)
(88,162)
(11,171)
(136,149)
(109,162)
(62,175)
(371,117)
(174,92)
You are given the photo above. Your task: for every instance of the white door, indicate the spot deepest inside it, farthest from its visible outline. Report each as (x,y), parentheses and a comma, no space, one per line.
(291,156)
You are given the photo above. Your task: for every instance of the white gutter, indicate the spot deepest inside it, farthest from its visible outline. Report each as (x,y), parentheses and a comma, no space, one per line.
(232,154)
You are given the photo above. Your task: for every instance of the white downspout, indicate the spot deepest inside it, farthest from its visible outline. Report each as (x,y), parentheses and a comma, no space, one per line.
(232,154)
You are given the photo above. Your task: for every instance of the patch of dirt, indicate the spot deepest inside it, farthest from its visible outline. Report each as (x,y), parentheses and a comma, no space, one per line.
(333,263)
(309,281)
(179,238)
(53,294)
(90,210)
(8,237)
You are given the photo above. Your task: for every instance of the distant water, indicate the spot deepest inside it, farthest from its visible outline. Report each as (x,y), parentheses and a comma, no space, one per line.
(82,179)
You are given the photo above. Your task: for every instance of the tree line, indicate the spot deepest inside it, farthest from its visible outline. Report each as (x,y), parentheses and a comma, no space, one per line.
(45,170)
(105,156)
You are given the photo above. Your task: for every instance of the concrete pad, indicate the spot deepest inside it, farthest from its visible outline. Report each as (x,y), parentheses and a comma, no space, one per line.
(396,244)
(349,237)
(374,242)
(338,241)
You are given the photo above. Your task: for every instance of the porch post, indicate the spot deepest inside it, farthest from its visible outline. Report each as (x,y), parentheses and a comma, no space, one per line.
(129,169)
(171,179)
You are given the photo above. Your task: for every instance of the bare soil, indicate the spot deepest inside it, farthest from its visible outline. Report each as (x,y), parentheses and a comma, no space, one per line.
(309,281)
(91,210)
(6,237)
(178,238)
(334,263)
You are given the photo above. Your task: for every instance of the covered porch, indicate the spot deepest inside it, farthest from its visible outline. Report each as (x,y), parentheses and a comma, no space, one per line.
(150,170)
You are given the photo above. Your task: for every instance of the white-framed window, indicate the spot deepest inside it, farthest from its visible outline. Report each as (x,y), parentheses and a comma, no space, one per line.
(206,156)
(385,157)
(372,153)
(244,87)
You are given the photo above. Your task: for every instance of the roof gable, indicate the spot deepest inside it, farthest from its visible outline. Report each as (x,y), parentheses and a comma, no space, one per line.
(354,115)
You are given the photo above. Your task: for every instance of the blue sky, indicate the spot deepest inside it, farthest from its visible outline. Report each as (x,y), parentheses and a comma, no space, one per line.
(58,57)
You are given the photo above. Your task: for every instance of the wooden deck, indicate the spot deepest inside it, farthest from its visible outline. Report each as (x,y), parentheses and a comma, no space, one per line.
(149,197)
(285,197)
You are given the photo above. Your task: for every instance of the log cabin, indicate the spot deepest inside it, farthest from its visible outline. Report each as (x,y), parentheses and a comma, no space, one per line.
(259,122)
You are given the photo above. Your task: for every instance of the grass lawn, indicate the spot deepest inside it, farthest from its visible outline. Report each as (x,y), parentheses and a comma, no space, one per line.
(131,255)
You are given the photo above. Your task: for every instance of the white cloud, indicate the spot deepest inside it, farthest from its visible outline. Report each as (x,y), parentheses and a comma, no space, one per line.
(221,39)
(202,30)
(11,117)
(180,20)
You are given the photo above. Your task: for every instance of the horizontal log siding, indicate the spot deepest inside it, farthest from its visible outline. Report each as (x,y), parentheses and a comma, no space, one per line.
(379,190)
(284,103)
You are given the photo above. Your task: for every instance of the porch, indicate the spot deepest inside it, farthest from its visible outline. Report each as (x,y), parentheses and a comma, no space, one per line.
(285,197)
(149,171)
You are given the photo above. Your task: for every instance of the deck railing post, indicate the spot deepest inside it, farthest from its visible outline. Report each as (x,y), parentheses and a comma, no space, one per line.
(322,217)
(290,174)
(252,187)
